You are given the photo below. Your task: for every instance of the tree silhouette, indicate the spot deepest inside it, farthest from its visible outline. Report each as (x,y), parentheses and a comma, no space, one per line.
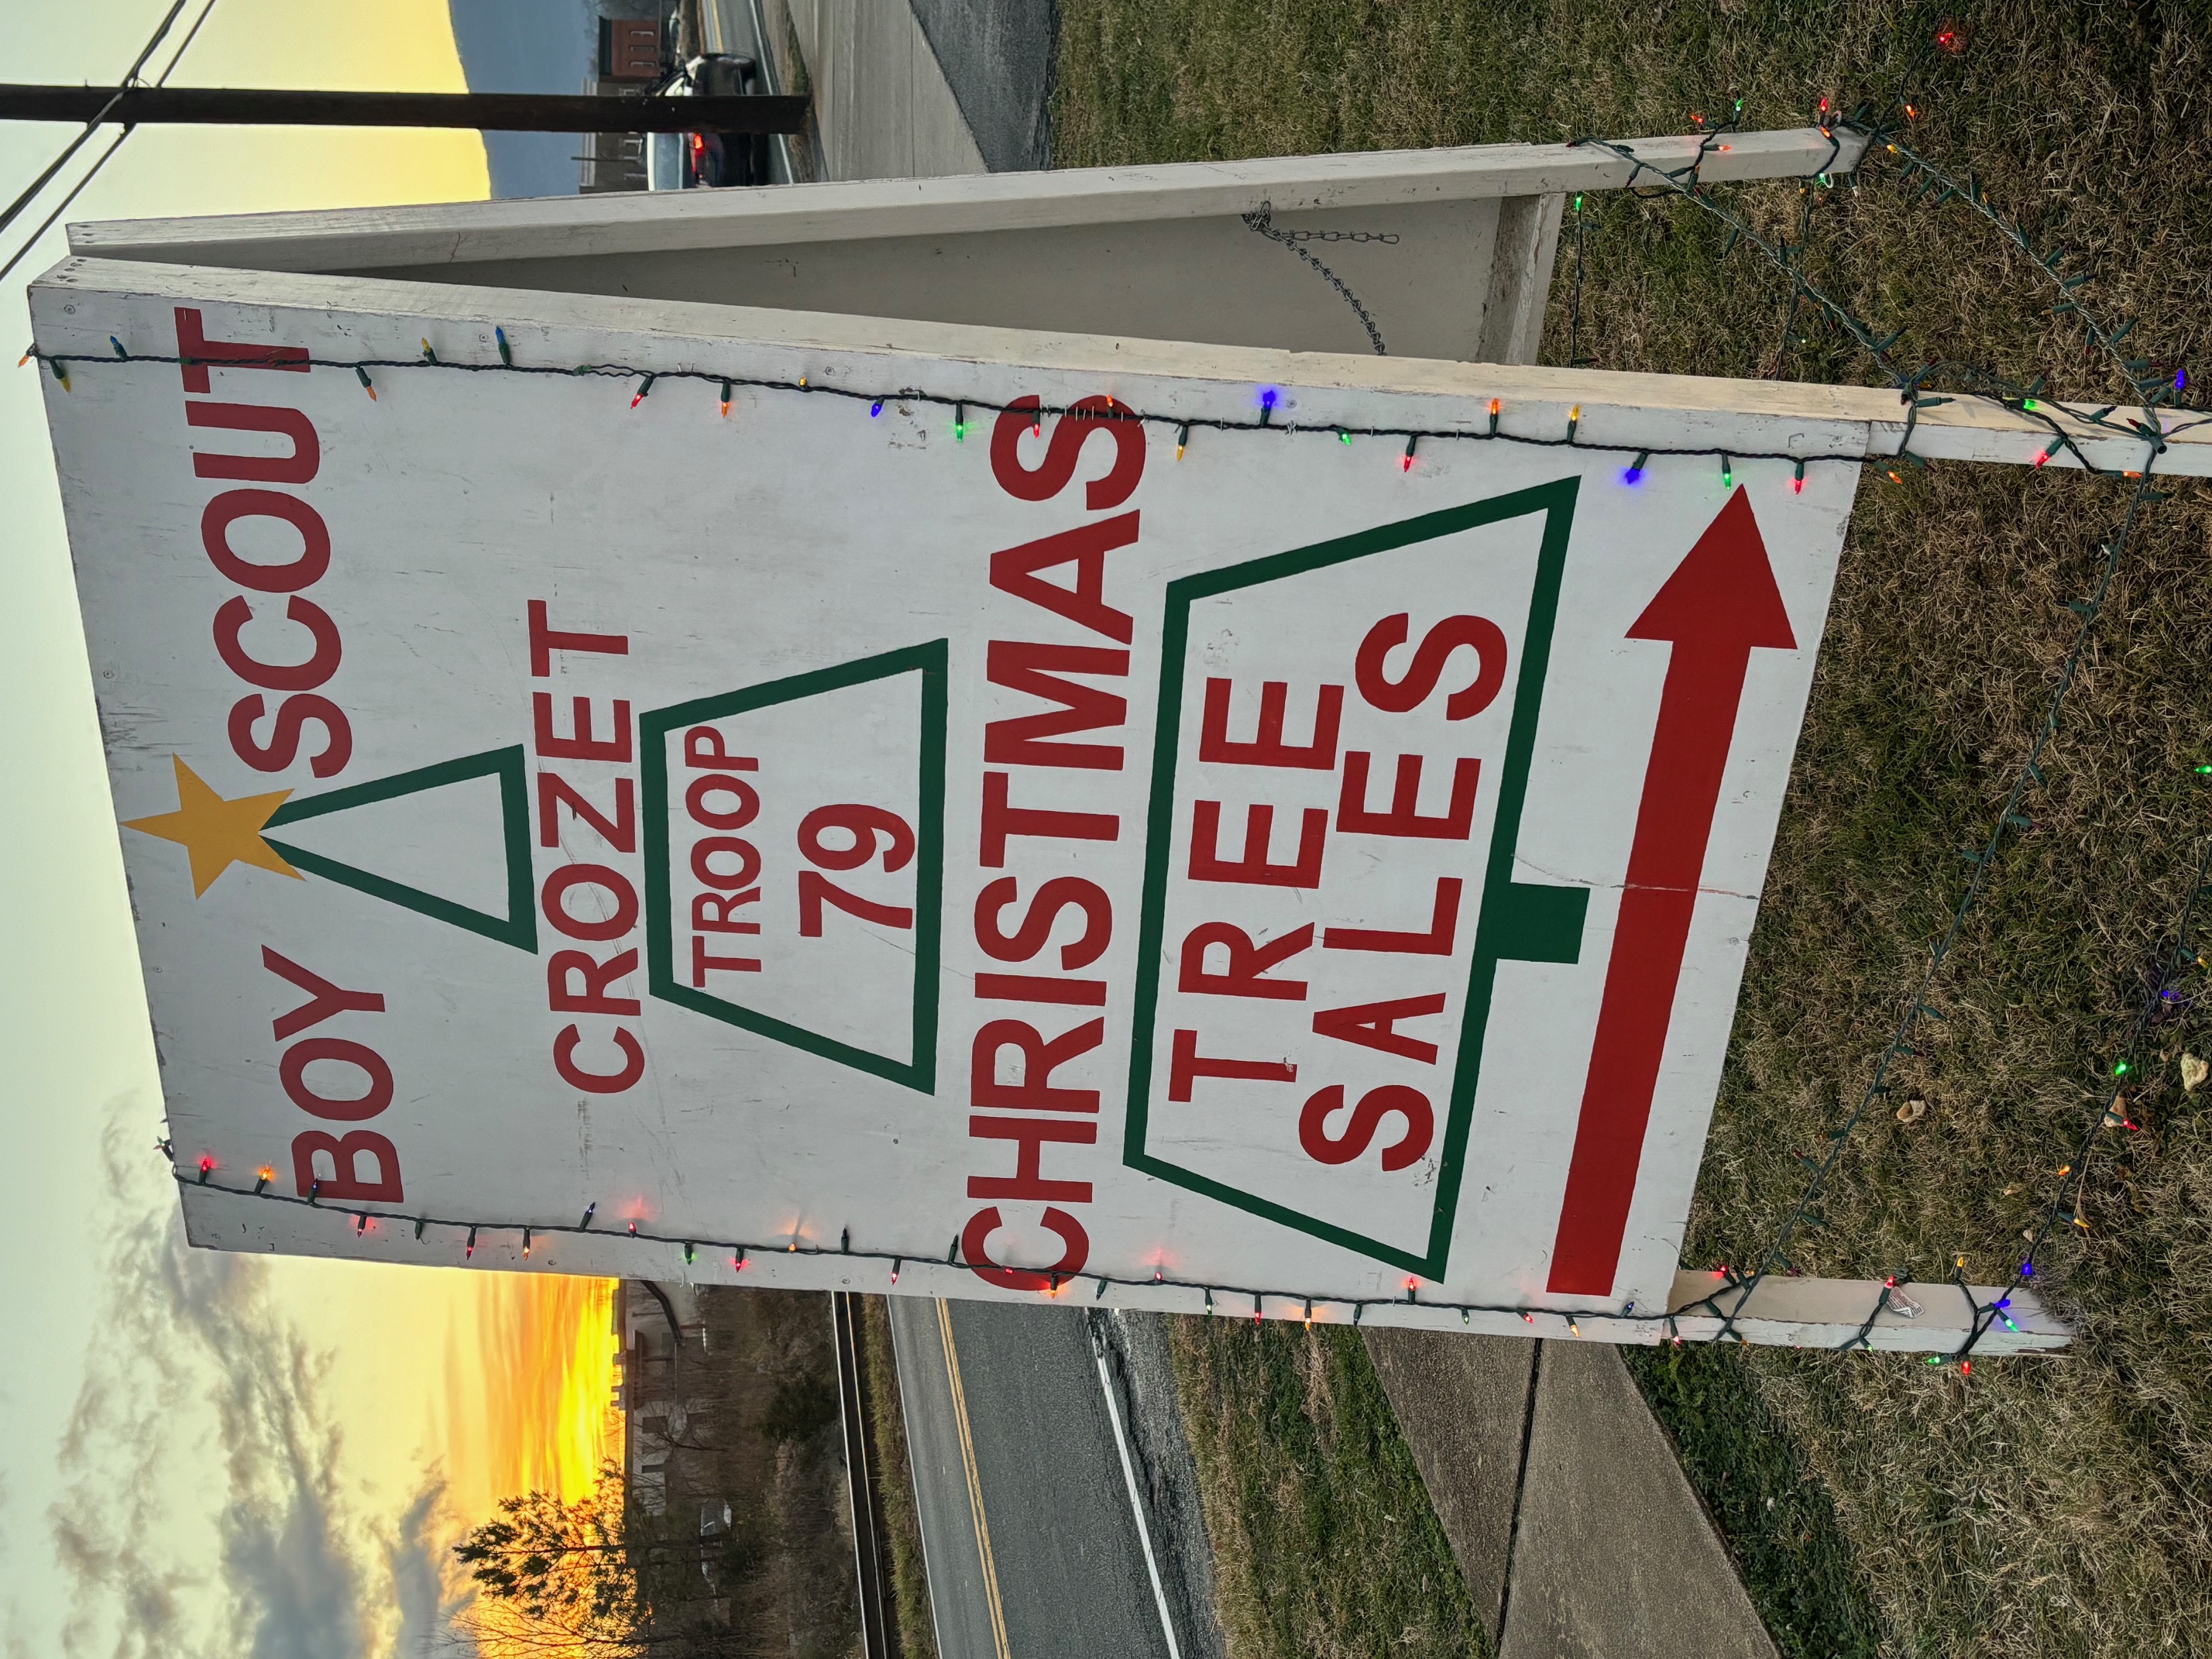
(571,1564)
(597,1577)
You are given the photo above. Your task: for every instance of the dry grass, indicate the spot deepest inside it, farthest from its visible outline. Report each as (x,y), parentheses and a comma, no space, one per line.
(2035,1508)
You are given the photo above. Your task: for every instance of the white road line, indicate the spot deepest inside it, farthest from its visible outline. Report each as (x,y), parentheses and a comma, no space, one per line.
(1136,1504)
(907,1414)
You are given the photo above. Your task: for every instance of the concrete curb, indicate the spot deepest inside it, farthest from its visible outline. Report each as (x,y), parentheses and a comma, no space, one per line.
(1564,1501)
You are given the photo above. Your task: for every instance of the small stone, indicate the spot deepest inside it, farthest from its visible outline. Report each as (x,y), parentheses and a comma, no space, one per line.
(1912,1111)
(2193,1073)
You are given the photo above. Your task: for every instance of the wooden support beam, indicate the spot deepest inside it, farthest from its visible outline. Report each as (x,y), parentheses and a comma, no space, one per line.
(662,221)
(1447,251)
(1785,1313)
(1322,389)
(1825,1313)
(1520,278)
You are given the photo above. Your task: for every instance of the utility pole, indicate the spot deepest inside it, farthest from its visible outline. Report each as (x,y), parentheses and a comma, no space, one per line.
(486,111)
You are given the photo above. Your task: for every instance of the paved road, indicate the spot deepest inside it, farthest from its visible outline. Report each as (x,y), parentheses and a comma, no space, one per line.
(726,26)
(996,57)
(1004,1411)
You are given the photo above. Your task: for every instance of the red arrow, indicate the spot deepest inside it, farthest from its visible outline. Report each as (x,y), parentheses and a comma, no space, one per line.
(1720,605)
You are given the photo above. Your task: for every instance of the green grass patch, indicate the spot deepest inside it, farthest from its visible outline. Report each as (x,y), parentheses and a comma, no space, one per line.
(1324,1543)
(2036,1507)
(917,1629)
(1777,1516)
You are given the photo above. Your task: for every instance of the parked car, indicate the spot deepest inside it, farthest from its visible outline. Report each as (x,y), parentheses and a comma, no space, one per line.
(683,160)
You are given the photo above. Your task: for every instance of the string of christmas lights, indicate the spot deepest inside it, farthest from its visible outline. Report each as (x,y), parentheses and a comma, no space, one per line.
(2112,1114)
(643,381)
(2010,820)
(1982,1317)
(2150,387)
(741,1254)
(1268,400)
(1685,182)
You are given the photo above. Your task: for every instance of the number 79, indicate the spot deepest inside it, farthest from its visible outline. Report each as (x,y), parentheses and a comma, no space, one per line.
(872,829)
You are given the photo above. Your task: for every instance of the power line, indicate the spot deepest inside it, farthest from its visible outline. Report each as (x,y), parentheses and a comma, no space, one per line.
(108,154)
(76,190)
(184,45)
(129,76)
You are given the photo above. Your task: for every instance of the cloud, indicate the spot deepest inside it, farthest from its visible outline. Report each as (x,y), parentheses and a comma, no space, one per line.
(197,1387)
(428,1585)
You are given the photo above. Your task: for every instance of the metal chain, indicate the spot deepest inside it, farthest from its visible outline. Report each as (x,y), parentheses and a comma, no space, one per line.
(1389,236)
(1263,221)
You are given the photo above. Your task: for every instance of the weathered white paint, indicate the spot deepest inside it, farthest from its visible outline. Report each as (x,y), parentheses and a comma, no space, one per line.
(1536,399)
(1210,280)
(1142,253)
(1527,237)
(362,239)
(1825,1313)
(800,534)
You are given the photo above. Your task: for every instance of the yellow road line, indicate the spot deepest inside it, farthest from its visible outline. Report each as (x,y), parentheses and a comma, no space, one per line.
(975,1482)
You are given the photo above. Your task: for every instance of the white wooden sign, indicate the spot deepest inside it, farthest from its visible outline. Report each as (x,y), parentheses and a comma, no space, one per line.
(1175,838)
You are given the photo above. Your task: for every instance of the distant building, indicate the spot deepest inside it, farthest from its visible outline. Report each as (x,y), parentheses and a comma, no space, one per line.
(664,1382)
(640,41)
(734,1459)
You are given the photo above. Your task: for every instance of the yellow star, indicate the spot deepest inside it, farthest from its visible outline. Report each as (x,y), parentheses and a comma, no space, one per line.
(216,832)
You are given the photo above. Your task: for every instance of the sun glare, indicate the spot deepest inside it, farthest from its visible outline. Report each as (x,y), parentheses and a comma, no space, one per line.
(530,1390)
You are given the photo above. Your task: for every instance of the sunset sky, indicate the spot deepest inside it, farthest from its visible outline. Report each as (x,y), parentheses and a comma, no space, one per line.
(206,1454)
